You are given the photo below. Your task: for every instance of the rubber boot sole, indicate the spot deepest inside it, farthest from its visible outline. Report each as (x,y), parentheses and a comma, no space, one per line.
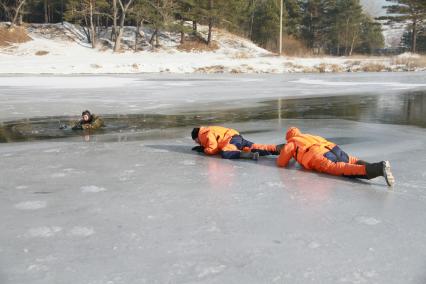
(390,180)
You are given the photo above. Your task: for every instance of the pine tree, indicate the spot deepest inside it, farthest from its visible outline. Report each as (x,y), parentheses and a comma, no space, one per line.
(349,20)
(371,37)
(267,24)
(314,25)
(293,17)
(413,11)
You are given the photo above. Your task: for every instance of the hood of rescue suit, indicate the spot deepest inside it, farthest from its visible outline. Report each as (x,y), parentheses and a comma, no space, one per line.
(291,132)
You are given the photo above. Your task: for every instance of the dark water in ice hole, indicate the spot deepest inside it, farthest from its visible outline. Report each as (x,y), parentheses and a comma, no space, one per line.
(406,109)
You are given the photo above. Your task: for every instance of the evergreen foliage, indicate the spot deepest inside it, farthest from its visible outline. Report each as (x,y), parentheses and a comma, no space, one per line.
(337,27)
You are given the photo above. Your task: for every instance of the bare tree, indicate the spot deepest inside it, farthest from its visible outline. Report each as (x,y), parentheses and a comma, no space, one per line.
(114,20)
(15,11)
(46,11)
(124,8)
(92,26)
(85,12)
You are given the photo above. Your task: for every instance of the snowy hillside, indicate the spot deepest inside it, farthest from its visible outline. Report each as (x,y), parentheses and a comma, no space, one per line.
(393,33)
(63,49)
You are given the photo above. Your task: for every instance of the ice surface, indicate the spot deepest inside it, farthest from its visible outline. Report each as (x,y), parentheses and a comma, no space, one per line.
(91,211)
(127,94)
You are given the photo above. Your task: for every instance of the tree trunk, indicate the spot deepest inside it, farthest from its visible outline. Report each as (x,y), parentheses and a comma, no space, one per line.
(182,33)
(414,36)
(117,44)
(151,41)
(209,36)
(17,12)
(114,20)
(92,26)
(46,16)
(352,45)
(137,35)
(347,37)
(252,20)
(98,24)
(86,30)
(338,45)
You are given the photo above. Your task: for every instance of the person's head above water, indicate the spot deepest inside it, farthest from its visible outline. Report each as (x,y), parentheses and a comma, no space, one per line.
(86,116)
(291,132)
(194,134)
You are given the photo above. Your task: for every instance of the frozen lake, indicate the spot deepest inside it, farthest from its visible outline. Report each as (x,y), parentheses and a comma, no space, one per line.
(133,204)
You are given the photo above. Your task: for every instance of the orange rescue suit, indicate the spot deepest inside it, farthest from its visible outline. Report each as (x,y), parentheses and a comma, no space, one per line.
(310,151)
(216,139)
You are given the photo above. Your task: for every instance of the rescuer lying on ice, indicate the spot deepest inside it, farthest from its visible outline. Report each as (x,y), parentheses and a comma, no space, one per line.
(318,154)
(229,143)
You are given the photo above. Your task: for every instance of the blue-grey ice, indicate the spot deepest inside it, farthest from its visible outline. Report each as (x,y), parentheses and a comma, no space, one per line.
(128,208)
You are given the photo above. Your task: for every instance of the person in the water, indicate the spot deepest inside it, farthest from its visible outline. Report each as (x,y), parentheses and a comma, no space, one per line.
(229,143)
(318,154)
(88,121)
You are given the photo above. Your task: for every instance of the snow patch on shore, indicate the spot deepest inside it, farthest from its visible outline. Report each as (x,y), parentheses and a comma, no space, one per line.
(57,49)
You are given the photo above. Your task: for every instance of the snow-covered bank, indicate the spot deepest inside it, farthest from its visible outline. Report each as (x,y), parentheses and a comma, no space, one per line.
(57,49)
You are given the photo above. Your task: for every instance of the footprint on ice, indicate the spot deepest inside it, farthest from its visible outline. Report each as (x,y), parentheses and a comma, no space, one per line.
(21,187)
(31,205)
(314,245)
(210,270)
(43,232)
(81,231)
(367,220)
(160,151)
(58,175)
(52,150)
(127,175)
(188,163)
(92,189)
(275,184)
(37,267)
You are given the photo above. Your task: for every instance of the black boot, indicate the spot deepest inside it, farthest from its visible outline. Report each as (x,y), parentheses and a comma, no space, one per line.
(361,162)
(249,155)
(380,169)
(374,170)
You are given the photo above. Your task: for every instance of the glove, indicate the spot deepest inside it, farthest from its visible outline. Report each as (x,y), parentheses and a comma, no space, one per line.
(199,149)
(86,126)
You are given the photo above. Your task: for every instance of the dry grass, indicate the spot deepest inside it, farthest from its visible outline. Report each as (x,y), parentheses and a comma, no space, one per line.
(211,69)
(241,55)
(41,52)
(197,45)
(335,68)
(95,66)
(135,66)
(9,36)
(294,47)
(410,62)
(373,67)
